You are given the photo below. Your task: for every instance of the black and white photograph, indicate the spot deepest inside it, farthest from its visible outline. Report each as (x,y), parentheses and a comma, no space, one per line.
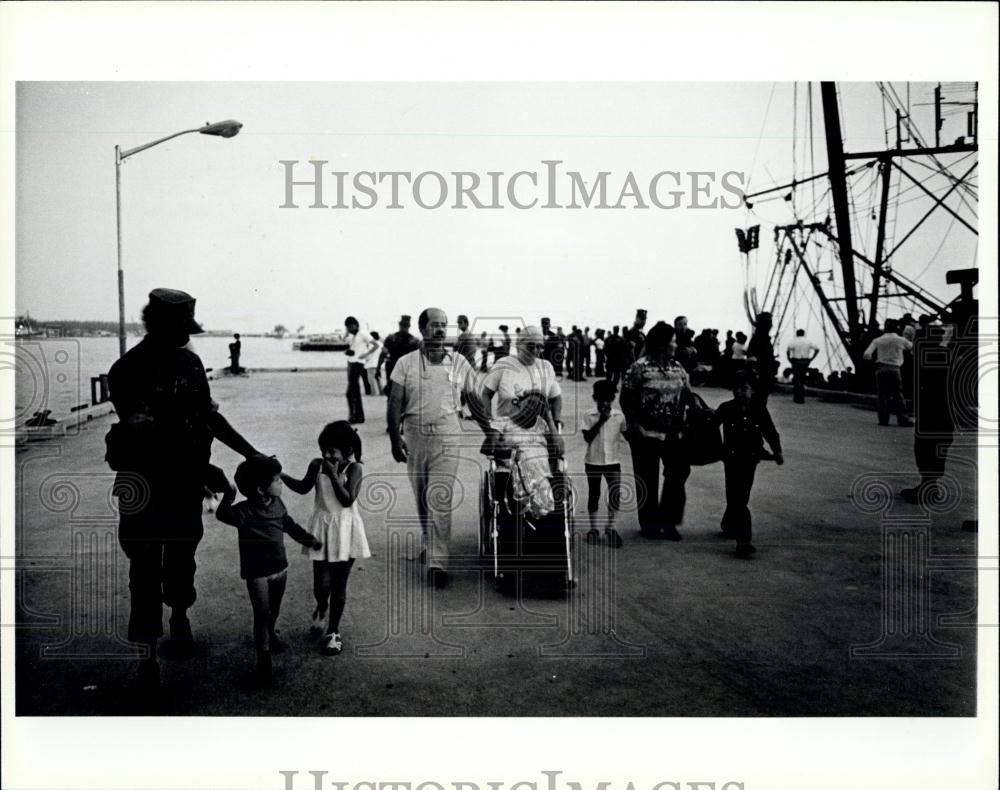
(653,409)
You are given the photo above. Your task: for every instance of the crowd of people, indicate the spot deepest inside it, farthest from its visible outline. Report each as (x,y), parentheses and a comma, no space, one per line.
(161,446)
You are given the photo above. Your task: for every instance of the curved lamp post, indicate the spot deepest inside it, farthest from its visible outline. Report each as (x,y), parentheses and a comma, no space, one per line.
(220,129)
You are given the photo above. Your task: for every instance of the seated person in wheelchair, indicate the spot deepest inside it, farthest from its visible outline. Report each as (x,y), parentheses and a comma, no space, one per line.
(523,437)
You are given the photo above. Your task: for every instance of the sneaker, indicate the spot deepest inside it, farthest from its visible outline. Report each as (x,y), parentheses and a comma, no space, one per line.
(333,645)
(745,549)
(318,622)
(614,539)
(910,495)
(671,533)
(593,536)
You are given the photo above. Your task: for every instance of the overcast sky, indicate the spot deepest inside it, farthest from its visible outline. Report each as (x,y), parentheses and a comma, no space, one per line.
(202,214)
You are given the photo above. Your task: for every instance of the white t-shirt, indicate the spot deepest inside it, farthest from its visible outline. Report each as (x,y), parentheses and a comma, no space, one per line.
(359,344)
(372,359)
(739,350)
(800,348)
(510,380)
(606,447)
(888,349)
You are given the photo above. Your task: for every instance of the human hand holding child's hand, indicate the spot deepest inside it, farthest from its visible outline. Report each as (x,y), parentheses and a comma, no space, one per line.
(317,545)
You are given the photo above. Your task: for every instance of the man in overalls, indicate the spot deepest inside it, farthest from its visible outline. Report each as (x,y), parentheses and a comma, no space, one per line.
(424,404)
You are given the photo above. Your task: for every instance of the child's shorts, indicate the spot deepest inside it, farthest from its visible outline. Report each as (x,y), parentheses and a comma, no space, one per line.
(271,577)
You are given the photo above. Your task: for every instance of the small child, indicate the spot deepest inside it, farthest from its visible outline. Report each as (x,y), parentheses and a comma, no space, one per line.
(336,521)
(746,423)
(262,522)
(603,428)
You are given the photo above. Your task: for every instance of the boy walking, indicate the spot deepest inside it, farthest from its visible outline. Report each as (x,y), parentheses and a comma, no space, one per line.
(602,429)
(746,423)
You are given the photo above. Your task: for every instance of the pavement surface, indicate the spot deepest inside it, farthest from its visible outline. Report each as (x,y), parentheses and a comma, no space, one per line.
(856,603)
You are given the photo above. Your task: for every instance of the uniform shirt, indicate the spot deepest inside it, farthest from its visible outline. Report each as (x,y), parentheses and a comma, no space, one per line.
(606,446)
(511,380)
(888,349)
(262,531)
(162,399)
(396,346)
(466,346)
(800,348)
(432,392)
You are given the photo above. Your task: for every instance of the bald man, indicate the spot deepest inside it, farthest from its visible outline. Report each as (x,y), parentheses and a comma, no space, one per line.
(424,404)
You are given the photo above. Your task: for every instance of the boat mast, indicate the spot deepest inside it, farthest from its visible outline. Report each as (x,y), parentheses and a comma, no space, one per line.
(841,209)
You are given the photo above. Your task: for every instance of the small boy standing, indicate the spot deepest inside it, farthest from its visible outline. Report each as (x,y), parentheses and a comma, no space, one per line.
(262,521)
(746,423)
(602,429)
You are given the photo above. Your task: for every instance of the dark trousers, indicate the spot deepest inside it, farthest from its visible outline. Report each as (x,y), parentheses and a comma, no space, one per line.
(889,386)
(613,474)
(659,509)
(739,481)
(598,362)
(160,546)
(366,381)
(614,374)
(930,453)
(355,409)
(799,369)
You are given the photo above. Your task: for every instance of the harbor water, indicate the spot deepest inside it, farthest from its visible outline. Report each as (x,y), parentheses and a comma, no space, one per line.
(55,373)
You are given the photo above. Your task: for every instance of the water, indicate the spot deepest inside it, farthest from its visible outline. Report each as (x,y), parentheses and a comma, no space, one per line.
(55,373)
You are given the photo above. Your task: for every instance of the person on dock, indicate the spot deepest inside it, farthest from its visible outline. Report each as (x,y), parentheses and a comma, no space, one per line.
(235,349)
(424,403)
(745,423)
(760,357)
(800,353)
(887,351)
(603,428)
(160,448)
(263,522)
(372,371)
(396,346)
(361,347)
(336,522)
(654,393)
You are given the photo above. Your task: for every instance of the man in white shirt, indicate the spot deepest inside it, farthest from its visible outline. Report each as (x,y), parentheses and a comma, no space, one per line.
(424,401)
(360,347)
(887,351)
(801,353)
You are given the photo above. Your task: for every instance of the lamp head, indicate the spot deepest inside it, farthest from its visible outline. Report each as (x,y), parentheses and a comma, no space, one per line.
(222,129)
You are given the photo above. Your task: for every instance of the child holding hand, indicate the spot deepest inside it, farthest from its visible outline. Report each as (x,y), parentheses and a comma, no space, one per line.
(262,521)
(336,521)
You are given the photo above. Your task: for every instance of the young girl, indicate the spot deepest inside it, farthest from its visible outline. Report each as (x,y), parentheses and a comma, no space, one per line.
(336,521)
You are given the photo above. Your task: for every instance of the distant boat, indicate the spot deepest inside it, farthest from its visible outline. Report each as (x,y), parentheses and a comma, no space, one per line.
(334,341)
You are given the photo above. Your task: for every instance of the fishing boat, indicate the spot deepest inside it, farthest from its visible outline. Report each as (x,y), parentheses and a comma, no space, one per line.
(869,233)
(334,341)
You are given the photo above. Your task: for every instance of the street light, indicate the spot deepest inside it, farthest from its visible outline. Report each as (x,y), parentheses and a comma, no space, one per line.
(220,129)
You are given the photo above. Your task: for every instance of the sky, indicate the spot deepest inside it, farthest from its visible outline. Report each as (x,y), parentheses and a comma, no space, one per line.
(204,214)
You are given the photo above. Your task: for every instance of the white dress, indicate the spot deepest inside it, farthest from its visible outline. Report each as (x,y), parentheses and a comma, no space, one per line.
(339,528)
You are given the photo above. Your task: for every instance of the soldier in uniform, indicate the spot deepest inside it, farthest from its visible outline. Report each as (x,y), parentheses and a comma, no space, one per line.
(396,346)
(160,448)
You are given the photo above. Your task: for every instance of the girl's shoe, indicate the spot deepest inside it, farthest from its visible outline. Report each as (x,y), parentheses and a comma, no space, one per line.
(614,539)
(593,536)
(318,622)
(333,645)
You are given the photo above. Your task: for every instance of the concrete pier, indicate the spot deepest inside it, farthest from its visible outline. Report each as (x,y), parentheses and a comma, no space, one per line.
(855,604)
